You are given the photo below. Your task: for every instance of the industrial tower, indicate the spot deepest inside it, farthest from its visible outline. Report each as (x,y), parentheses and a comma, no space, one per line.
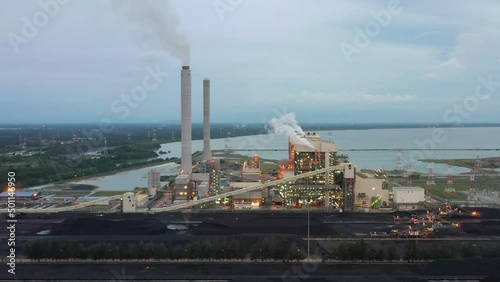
(450,188)
(399,163)
(186,146)
(408,175)
(207,153)
(472,190)
(105,151)
(430,178)
(227,142)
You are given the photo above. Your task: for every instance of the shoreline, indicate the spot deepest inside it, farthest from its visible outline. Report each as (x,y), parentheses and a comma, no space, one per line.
(102,174)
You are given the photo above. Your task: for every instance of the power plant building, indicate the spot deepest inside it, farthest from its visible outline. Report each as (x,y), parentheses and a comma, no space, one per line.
(333,189)
(317,154)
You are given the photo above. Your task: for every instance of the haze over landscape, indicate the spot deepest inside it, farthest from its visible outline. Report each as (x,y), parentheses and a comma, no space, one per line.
(419,60)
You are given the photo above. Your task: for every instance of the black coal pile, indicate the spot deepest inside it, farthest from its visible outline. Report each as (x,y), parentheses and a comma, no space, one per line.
(486,228)
(488,213)
(94,226)
(465,267)
(260,224)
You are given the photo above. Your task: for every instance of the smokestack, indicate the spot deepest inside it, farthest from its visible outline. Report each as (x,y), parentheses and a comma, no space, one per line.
(207,154)
(186,151)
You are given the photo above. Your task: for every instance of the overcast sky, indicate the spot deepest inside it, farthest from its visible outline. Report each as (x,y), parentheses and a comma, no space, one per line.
(264,58)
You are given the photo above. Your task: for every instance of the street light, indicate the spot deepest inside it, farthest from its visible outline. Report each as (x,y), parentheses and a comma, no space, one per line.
(308,221)
(308,231)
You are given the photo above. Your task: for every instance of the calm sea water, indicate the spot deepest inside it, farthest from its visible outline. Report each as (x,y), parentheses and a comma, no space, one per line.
(408,138)
(454,138)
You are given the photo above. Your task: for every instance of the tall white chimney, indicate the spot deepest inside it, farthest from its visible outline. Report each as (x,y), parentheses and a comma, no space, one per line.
(186,151)
(207,154)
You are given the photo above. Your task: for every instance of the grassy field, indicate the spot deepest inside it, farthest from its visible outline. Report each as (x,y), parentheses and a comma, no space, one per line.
(439,191)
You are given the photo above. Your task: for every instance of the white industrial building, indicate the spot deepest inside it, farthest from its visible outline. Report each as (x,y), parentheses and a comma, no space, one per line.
(129,203)
(408,198)
(408,195)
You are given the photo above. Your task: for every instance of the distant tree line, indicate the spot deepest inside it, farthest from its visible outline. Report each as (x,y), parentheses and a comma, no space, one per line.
(268,248)
(363,251)
(213,249)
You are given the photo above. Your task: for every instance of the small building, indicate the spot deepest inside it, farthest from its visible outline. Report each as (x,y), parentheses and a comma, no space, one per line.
(129,203)
(408,198)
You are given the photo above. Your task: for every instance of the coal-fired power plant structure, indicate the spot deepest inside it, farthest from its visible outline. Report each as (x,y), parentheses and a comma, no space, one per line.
(207,154)
(186,153)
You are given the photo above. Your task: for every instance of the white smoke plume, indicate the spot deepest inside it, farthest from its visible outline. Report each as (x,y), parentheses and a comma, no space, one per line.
(287,124)
(158,25)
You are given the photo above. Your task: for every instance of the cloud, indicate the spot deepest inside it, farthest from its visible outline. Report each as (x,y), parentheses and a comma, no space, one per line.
(445,69)
(426,34)
(479,47)
(388,98)
(349,97)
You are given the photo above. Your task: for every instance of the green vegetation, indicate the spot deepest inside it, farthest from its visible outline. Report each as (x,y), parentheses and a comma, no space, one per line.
(268,248)
(42,169)
(40,154)
(438,190)
(277,249)
(207,249)
(366,251)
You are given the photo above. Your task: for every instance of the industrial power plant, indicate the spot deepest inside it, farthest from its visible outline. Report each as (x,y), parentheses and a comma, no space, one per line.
(314,196)
(314,176)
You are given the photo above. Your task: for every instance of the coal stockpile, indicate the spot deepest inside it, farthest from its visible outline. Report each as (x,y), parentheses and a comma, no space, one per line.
(488,213)
(93,226)
(485,228)
(260,224)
